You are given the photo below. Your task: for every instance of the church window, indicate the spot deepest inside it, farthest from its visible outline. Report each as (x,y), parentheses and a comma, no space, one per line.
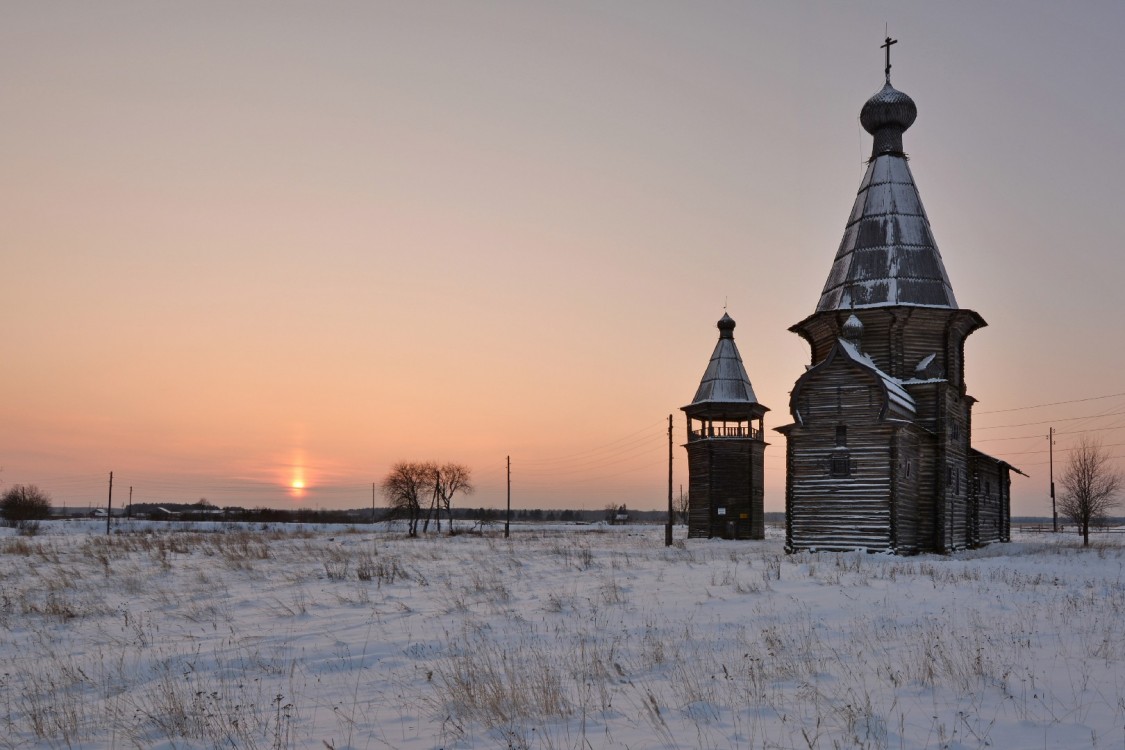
(839,399)
(841,436)
(840,466)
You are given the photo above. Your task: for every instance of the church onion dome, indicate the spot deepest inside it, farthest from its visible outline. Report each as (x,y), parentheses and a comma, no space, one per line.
(724,382)
(885,116)
(726,327)
(852,331)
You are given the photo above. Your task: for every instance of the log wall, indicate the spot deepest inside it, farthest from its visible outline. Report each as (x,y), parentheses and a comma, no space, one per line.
(824,509)
(912,488)
(726,491)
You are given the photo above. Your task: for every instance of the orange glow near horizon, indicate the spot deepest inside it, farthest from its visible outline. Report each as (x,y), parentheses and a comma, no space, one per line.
(298,483)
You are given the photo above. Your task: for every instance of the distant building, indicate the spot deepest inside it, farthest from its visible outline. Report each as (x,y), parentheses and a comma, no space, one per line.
(617,515)
(725,448)
(878,456)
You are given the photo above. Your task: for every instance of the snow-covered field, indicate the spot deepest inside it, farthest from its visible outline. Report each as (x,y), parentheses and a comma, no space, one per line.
(561,637)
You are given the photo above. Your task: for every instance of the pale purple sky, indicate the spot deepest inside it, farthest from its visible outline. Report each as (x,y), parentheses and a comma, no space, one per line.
(246,242)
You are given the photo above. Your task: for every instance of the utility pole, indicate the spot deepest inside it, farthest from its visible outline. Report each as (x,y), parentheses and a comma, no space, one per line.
(109,505)
(508,515)
(372,502)
(129,508)
(1051,453)
(668,526)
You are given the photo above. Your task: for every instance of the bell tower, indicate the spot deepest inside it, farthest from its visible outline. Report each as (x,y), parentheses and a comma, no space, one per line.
(725,448)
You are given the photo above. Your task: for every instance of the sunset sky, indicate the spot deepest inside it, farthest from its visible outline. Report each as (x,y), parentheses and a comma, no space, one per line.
(250,245)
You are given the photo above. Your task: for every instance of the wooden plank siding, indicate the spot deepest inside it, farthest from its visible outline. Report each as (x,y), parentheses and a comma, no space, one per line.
(913,487)
(955,484)
(827,512)
(726,490)
(841,407)
(907,476)
(897,338)
(992,500)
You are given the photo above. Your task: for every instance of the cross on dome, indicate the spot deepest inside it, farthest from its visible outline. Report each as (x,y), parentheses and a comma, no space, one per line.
(887,46)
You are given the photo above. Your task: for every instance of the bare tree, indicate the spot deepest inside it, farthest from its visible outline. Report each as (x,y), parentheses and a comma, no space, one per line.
(1090,485)
(448,480)
(23,505)
(683,505)
(404,486)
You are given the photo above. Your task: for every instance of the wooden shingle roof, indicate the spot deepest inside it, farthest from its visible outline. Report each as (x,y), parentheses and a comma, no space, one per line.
(888,255)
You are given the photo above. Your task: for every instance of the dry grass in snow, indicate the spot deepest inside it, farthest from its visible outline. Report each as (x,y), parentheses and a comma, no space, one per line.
(558,638)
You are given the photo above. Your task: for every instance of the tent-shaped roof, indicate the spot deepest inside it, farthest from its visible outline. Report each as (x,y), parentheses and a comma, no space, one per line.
(725,382)
(888,255)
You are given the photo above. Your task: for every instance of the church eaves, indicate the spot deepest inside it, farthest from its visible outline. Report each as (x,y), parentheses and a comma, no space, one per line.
(888,255)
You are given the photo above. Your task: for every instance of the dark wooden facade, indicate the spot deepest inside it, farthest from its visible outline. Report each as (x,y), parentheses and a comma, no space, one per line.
(878,455)
(878,463)
(725,481)
(725,448)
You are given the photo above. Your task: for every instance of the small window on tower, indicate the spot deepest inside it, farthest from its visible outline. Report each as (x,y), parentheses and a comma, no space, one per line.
(841,436)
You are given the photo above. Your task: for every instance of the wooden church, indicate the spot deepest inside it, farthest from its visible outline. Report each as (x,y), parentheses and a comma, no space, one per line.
(725,448)
(879,453)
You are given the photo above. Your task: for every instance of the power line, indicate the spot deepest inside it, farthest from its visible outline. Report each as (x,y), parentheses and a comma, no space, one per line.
(1108,458)
(1040,437)
(1057,450)
(1050,421)
(597,448)
(1053,403)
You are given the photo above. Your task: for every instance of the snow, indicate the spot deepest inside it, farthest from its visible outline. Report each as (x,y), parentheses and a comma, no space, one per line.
(895,392)
(175,636)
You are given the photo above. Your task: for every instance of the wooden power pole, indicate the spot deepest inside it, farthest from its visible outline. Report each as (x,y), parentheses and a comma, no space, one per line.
(508,513)
(668,526)
(1051,453)
(109,504)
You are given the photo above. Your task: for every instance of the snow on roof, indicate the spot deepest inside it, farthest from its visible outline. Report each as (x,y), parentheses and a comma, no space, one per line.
(725,379)
(925,362)
(895,392)
(888,255)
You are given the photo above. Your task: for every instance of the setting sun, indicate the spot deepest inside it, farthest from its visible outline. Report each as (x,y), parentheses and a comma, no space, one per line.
(298,484)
